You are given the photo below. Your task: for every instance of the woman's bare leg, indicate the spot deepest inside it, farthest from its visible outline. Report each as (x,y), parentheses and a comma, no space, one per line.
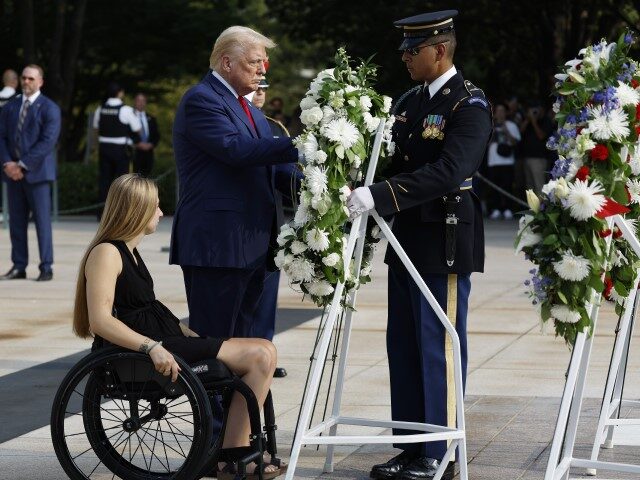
(254,360)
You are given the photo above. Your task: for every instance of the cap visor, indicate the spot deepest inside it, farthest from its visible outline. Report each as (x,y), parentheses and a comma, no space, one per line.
(410,42)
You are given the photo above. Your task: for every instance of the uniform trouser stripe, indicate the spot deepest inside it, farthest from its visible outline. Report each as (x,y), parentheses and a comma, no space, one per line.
(452,305)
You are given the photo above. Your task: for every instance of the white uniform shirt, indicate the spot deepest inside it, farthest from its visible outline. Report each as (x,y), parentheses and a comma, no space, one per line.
(495,160)
(126,115)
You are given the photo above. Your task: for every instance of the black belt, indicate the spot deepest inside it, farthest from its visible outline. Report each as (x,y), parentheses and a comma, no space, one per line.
(451,222)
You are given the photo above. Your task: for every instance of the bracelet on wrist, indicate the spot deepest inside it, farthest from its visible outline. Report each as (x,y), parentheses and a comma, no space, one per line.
(153,346)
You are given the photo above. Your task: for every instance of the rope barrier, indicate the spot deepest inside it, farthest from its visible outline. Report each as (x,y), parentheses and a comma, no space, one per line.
(94,206)
(511,197)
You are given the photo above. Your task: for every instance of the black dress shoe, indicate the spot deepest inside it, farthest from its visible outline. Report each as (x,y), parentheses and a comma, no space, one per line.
(45,276)
(14,274)
(425,468)
(391,469)
(279,372)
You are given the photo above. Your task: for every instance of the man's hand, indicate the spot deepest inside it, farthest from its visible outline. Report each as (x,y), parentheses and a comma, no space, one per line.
(144,146)
(13,171)
(359,202)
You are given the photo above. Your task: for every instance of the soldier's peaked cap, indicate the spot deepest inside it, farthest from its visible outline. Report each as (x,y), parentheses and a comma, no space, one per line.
(421,27)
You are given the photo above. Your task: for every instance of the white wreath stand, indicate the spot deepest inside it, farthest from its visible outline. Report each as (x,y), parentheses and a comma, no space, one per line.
(561,458)
(432,433)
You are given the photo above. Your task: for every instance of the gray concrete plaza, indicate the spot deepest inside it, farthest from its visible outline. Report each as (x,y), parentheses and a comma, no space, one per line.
(516,373)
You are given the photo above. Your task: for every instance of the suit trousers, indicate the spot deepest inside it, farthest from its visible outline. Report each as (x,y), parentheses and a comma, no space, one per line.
(416,351)
(264,321)
(222,302)
(143,162)
(25,199)
(113,162)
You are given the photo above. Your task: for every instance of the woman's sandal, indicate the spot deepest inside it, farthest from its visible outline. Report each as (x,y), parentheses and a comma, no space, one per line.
(232,455)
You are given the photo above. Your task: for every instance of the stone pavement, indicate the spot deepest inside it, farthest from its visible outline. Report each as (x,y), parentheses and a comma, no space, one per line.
(516,373)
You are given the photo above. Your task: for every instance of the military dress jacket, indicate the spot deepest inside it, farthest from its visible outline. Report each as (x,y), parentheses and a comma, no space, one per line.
(440,143)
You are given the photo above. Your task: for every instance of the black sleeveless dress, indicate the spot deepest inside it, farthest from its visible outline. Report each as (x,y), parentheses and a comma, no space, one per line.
(135,304)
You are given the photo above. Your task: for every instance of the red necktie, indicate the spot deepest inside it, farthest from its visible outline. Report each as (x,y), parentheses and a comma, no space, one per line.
(245,107)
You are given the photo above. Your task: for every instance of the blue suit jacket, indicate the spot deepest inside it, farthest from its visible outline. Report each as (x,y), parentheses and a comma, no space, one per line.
(38,139)
(227,174)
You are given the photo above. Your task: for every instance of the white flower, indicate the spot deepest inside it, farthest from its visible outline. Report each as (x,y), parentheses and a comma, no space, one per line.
(318,240)
(634,190)
(627,95)
(595,59)
(634,160)
(316,84)
(619,259)
(386,104)
(365,103)
(533,201)
(616,297)
(320,288)
(345,191)
(370,122)
(285,231)
(365,271)
(321,203)
(572,267)
(321,156)
(559,187)
(564,315)
(308,102)
(302,215)
(350,88)
(342,131)
(328,114)
(527,237)
(297,247)
(311,116)
(300,270)
(357,161)
(331,260)
(279,258)
(315,179)
(336,100)
(606,125)
(391,148)
(584,143)
(375,231)
(310,147)
(585,199)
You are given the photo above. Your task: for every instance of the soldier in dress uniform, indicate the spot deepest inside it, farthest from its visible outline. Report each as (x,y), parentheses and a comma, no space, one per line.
(264,317)
(441,134)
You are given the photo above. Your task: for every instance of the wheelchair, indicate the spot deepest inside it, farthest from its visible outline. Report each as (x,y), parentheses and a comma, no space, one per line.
(114,416)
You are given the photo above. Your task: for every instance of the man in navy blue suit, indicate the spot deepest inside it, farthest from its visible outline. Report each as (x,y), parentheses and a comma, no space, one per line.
(229,166)
(29,130)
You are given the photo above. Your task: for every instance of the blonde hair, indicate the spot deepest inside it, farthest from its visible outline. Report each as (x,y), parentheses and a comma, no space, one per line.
(234,41)
(130,206)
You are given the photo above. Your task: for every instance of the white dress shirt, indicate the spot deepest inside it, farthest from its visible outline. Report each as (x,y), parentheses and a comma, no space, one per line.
(126,115)
(439,82)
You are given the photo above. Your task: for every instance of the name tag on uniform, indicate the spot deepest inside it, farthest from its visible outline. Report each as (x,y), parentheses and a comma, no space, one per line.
(433,127)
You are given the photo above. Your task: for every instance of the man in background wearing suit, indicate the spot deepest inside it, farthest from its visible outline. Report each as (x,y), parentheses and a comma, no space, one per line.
(149,137)
(29,130)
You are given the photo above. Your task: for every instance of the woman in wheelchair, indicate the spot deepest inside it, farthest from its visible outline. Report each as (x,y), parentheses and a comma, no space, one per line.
(115,303)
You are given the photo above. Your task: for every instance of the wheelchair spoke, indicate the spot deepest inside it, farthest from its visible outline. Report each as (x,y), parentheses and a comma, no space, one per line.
(190,437)
(84,432)
(174,436)
(180,431)
(179,417)
(96,404)
(164,446)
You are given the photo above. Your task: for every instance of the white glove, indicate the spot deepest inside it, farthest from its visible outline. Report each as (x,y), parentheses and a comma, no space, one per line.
(359,202)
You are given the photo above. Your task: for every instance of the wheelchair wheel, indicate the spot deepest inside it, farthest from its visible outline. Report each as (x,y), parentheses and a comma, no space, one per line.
(114,416)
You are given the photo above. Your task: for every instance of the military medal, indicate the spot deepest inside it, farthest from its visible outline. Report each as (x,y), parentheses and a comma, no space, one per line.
(433,127)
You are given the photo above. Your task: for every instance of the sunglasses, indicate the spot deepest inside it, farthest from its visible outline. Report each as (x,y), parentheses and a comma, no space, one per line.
(416,50)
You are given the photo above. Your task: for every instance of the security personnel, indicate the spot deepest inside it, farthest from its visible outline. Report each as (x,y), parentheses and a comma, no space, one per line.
(264,321)
(116,124)
(441,133)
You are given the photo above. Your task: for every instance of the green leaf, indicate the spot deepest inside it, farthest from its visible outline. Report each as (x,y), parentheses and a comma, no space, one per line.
(562,297)
(620,193)
(550,240)
(596,283)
